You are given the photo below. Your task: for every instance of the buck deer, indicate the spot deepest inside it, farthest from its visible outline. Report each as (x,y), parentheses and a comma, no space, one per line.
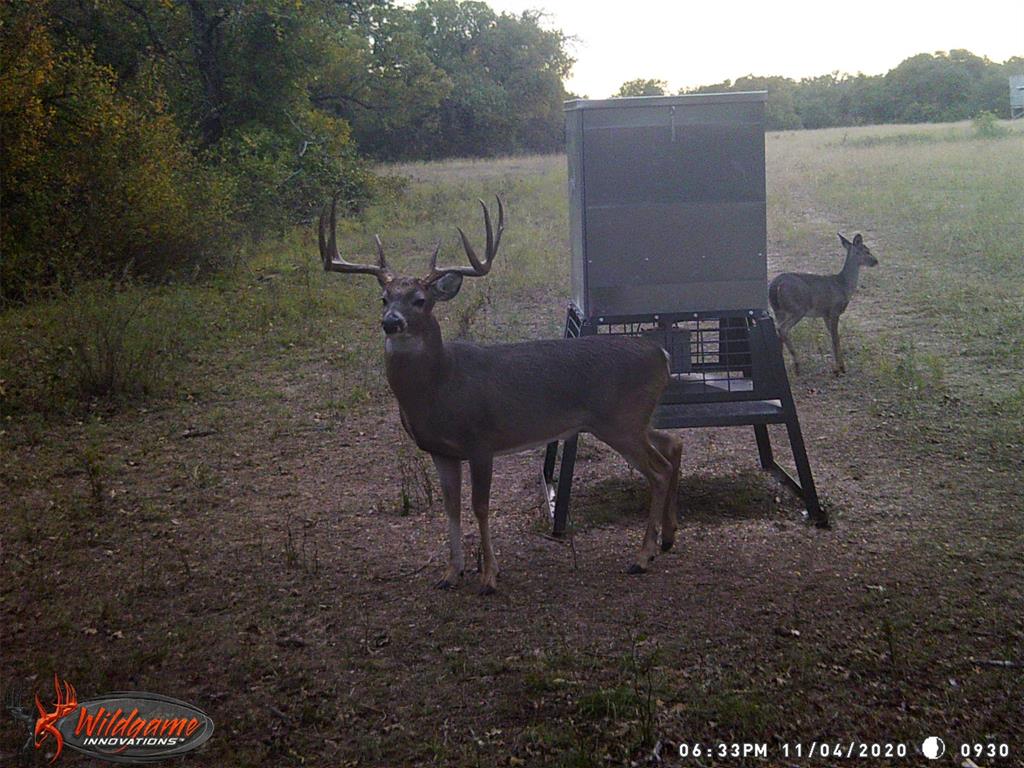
(466,402)
(796,295)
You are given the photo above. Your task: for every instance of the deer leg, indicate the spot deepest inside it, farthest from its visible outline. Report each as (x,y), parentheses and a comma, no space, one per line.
(832,321)
(480,475)
(450,473)
(784,327)
(636,448)
(671,447)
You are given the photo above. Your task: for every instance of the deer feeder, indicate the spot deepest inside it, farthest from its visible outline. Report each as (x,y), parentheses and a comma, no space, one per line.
(667,220)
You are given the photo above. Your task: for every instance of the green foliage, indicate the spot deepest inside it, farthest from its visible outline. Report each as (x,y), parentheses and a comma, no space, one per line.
(642,87)
(115,342)
(945,87)
(986,126)
(444,78)
(93,180)
(146,135)
(940,87)
(278,185)
(390,91)
(506,76)
(244,83)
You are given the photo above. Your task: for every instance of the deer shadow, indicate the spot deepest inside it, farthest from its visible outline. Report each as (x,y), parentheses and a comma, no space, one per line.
(703,499)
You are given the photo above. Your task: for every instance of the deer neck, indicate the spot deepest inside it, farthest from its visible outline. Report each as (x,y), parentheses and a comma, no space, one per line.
(850,274)
(415,365)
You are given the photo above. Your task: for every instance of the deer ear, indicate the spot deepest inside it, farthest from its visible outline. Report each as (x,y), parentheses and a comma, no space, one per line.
(446,287)
(846,243)
(857,239)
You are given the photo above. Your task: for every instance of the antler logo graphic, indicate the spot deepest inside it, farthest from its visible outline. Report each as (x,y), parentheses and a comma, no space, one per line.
(65,701)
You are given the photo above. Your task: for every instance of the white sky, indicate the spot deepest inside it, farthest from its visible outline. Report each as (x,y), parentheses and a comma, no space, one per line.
(691,44)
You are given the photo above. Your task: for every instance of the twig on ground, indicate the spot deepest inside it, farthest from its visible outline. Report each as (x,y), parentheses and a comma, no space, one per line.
(190,433)
(406,575)
(1005,663)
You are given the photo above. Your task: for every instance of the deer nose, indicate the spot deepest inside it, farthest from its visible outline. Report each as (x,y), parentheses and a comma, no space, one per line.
(392,323)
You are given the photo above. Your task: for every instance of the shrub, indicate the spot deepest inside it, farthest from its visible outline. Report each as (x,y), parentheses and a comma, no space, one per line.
(101,340)
(987,126)
(92,180)
(116,348)
(284,175)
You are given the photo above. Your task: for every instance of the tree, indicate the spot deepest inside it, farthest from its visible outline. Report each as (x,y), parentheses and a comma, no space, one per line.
(780,110)
(927,87)
(93,180)
(389,90)
(942,86)
(506,74)
(238,77)
(142,133)
(642,87)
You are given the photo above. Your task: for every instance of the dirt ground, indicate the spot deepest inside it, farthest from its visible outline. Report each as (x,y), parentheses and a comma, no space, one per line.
(260,563)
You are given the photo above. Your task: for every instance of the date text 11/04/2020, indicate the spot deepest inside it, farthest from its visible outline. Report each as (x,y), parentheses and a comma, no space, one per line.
(932,748)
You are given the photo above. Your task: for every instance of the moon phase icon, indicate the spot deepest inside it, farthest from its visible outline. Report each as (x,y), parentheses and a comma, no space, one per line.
(933,748)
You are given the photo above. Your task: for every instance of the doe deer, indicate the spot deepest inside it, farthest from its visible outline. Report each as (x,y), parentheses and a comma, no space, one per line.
(466,402)
(796,295)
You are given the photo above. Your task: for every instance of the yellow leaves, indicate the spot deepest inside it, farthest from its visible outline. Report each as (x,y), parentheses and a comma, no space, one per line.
(334,131)
(83,157)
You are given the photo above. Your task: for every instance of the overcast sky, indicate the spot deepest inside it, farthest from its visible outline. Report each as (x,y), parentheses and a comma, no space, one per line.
(691,44)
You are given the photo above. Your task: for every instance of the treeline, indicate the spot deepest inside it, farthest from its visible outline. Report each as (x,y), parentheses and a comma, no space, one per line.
(149,135)
(939,87)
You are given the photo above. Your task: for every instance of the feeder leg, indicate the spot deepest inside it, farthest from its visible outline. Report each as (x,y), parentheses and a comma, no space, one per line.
(764,446)
(549,461)
(565,485)
(803,469)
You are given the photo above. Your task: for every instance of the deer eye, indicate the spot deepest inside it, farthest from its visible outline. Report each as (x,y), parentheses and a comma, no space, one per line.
(383,299)
(419,301)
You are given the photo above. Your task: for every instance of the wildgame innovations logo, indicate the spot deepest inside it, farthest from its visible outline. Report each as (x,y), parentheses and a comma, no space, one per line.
(122,727)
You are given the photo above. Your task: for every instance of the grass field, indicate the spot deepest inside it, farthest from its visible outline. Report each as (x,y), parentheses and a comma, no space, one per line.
(206,493)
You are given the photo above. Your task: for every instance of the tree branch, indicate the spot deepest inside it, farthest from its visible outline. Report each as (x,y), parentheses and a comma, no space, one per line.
(327,99)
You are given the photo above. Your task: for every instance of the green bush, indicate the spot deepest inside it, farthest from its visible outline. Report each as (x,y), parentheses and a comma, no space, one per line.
(115,342)
(94,182)
(116,347)
(283,178)
(987,126)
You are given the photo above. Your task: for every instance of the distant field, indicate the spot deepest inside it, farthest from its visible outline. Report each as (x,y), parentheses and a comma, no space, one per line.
(943,316)
(244,525)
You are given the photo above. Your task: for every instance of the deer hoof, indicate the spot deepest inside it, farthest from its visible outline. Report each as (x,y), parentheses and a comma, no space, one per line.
(448,581)
(667,544)
(636,568)
(487,589)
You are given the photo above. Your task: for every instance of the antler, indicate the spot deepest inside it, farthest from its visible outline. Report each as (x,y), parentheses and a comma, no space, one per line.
(333,262)
(478,268)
